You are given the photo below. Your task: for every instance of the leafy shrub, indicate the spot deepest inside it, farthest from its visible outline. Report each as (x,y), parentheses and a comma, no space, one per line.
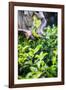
(38,58)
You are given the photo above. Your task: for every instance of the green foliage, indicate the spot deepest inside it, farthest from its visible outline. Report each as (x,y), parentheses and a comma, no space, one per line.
(38,58)
(37,23)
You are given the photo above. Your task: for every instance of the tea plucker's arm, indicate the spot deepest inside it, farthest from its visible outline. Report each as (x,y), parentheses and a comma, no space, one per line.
(25,22)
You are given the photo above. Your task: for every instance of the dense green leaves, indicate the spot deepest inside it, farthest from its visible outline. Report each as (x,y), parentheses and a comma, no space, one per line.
(38,58)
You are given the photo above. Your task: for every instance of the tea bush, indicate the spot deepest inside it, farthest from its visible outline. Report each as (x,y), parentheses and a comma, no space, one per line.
(38,58)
